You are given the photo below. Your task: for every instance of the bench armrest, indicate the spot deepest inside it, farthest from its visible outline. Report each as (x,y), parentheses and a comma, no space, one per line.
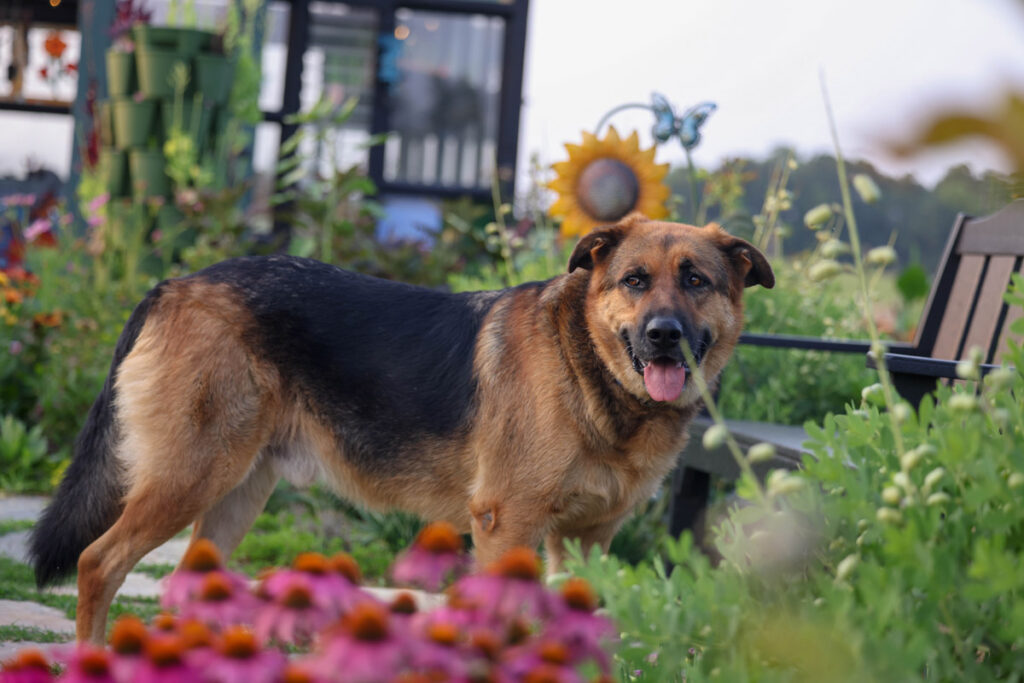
(792,341)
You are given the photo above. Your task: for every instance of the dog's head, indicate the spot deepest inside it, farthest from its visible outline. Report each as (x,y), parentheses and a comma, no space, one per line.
(656,285)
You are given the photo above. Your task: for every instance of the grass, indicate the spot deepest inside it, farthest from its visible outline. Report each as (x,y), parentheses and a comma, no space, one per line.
(12,525)
(18,634)
(156,571)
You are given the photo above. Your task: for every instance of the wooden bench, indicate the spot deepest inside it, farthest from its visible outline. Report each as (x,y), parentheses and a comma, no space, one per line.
(965,309)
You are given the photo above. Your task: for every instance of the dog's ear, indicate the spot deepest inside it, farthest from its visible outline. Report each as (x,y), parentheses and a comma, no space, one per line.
(752,264)
(595,246)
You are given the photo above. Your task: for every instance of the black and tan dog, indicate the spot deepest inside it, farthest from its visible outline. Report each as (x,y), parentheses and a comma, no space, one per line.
(531,414)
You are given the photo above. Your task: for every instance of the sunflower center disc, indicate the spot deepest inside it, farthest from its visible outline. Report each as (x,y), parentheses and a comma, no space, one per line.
(607,189)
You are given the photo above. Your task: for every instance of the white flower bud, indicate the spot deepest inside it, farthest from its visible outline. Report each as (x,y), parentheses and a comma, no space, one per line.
(968,369)
(910,459)
(891,495)
(1000,378)
(901,411)
(903,481)
(715,436)
(781,483)
(880,256)
(760,452)
(833,248)
(823,270)
(938,498)
(818,216)
(963,403)
(1015,480)
(846,567)
(933,478)
(866,188)
(889,516)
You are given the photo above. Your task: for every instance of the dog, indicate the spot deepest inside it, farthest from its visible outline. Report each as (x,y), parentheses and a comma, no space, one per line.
(532,414)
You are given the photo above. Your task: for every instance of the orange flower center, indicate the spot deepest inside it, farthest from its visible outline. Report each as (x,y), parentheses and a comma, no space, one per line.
(579,596)
(344,564)
(215,588)
(27,660)
(296,674)
(444,633)
(518,563)
(297,596)
(95,662)
(404,603)
(202,556)
(542,674)
(553,652)
(440,538)
(368,622)
(164,622)
(195,634)
(165,651)
(128,635)
(238,642)
(312,563)
(487,644)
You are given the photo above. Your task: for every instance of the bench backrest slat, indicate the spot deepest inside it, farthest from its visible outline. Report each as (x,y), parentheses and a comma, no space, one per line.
(966,307)
(1010,315)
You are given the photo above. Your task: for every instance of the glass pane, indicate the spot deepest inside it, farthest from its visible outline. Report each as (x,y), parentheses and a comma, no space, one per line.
(38,63)
(445,101)
(274,56)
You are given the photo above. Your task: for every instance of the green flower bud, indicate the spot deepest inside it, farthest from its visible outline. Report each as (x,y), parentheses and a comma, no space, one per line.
(874,394)
(866,188)
(715,436)
(862,524)
(846,567)
(880,256)
(818,216)
(824,270)
(903,481)
(760,452)
(910,459)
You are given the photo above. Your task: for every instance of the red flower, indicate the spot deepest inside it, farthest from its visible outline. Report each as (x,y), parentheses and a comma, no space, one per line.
(71,68)
(44,72)
(53,45)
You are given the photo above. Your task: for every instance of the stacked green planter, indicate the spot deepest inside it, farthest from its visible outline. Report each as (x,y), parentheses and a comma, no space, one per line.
(142,107)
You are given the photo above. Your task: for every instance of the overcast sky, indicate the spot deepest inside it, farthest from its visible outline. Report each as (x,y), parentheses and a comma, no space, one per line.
(889,64)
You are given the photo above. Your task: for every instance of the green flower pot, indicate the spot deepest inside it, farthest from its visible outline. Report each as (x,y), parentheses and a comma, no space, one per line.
(114,163)
(133,122)
(149,175)
(105,121)
(195,119)
(214,76)
(165,37)
(154,66)
(120,73)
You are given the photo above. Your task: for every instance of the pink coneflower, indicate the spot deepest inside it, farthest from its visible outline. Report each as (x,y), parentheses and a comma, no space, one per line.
(292,615)
(200,559)
(438,655)
(362,648)
(238,658)
(127,641)
(28,666)
(220,601)
(549,661)
(164,662)
(582,631)
(434,558)
(88,664)
(333,583)
(509,588)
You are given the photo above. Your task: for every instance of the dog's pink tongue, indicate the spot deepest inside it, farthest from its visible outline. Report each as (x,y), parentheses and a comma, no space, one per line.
(664,380)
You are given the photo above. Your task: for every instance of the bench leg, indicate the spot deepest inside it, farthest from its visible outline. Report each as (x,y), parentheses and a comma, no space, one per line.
(690,490)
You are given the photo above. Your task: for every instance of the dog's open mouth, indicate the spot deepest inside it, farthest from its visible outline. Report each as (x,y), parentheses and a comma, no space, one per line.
(664,376)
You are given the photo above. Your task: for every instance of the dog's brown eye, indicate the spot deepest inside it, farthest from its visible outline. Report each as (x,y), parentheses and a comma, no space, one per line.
(633,281)
(695,281)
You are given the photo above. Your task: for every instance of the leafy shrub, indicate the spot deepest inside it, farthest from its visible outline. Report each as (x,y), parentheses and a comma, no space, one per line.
(24,462)
(893,555)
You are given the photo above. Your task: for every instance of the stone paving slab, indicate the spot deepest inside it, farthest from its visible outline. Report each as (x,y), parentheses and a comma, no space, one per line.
(21,508)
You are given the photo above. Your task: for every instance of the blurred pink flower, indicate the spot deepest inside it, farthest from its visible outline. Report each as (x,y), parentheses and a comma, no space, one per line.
(16,347)
(87,664)
(28,666)
(99,202)
(221,601)
(201,558)
(435,557)
(164,662)
(363,648)
(292,615)
(238,658)
(38,227)
(509,588)
(334,582)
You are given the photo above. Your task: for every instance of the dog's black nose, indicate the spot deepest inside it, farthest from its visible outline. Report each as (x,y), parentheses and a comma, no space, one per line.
(664,332)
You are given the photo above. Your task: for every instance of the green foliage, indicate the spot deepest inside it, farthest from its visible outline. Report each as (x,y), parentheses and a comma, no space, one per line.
(10,526)
(913,282)
(880,565)
(24,462)
(32,634)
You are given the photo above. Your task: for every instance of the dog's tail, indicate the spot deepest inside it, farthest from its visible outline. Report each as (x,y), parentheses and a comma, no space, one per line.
(90,496)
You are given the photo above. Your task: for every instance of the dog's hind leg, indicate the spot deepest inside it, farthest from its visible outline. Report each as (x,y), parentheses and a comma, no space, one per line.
(227,522)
